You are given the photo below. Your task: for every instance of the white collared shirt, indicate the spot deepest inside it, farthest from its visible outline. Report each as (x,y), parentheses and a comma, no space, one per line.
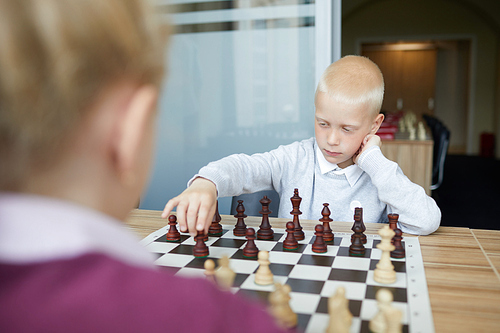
(36,229)
(352,172)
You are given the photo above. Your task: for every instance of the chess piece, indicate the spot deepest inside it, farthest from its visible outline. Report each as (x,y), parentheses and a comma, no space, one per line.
(393,221)
(224,274)
(215,227)
(264,276)
(412,131)
(399,251)
(421,131)
(319,245)
(250,250)
(358,220)
(240,228)
(388,318)
(265,231)
(200,249)
(299,234)
(173,234)
(290,243)
(357,248)
(209,270)
(338,309)
(280,307)
(327,231)
(384,271)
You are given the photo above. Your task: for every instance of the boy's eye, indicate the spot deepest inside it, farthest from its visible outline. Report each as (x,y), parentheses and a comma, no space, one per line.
(346,129)
(322,124)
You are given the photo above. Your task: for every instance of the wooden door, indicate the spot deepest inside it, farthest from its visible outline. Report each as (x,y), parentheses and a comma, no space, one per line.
(409,77)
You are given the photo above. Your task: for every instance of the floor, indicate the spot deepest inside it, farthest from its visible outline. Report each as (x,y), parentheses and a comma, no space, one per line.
(470,193)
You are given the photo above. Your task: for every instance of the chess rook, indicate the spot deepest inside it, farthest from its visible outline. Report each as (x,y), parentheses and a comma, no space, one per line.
(319,245)
(327,231)
(215,229)
(290,243)
(240,228)
(393,222)
(265,231)
(299,234)
(250,250)
(173,234)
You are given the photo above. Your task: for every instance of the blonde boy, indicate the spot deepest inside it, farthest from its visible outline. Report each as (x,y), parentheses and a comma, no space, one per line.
(78,88)
(342,165)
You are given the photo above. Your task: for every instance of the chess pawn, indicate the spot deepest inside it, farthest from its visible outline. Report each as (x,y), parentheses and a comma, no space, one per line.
(224,274)
(319,245)
(357,248)
(399,251)
(327,231)
(250,250)
(209,270)
(338,309)
(264,276)
(290,243)
(381,321)
(240,228)
(384,271)
(280,309)
(200,249)
(173,234)
(215,228)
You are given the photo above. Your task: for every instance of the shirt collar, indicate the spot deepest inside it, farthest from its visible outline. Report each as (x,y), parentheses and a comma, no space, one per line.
(37,229)
(352,172)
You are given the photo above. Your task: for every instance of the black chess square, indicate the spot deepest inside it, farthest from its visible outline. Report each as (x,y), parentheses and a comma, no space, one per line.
(229,242)
(239,255)
(344,252)
(338,274)
(163,239)
(182,249)
(354,306)
(279,248)
(276,237)
(365,327)
(316,260)
(305,286)
(258,295)
(199,262)
(279,269)
(399,294)
(239,279)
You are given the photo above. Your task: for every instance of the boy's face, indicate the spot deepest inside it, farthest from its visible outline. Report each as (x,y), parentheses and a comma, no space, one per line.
(340,128)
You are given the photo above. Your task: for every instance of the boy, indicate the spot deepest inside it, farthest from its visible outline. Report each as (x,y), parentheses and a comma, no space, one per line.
(342,165)
(78,90)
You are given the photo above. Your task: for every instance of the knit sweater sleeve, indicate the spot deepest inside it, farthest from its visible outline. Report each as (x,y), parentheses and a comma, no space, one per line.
(418,213)
(241,173)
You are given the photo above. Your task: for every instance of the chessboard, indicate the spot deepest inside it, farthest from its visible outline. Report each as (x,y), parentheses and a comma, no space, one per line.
(313,277)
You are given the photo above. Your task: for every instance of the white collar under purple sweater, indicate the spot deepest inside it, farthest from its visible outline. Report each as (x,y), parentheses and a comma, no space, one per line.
(36,229)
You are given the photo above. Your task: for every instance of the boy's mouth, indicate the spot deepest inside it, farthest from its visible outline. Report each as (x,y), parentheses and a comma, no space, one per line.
(331,153)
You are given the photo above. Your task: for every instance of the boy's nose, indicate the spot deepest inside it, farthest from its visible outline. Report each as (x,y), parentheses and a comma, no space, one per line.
(333,138)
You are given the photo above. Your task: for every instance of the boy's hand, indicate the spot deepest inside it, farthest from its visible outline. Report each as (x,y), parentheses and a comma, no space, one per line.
(195,206)
(369,141)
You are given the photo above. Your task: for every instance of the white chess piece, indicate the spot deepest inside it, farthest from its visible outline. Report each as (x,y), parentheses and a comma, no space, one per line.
(224,274)
(264,276)
(384,271)
(378,324)
(411,130)
(280,309)
(340,316)
(209,270)
(421,131)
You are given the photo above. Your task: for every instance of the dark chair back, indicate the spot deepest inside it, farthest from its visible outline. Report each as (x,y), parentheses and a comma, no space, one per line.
(441,137)
(252,204)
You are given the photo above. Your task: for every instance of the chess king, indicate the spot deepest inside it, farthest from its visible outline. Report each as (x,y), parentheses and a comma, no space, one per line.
(341,165)
(79,86)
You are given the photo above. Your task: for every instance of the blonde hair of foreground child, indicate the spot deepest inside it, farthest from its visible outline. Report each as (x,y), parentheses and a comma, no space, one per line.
(56,57)
(354,80)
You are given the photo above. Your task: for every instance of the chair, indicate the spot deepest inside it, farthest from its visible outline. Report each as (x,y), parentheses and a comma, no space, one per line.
(441,137)
(252,204)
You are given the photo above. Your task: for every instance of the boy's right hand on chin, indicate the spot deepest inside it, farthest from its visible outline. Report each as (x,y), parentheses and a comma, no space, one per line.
(195,206)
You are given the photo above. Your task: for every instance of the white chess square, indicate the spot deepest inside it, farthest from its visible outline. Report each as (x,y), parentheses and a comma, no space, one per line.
(289,258)
(400,281)
(161,247)
(353,290)
(191,272)
(331,250)
(174,260)
(219,251)
(243,266)
(361,264)
(304,303)
(369,309)
(309,272)
(250,284)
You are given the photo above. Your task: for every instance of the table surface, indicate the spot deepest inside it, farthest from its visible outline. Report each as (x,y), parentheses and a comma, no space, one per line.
(462,267)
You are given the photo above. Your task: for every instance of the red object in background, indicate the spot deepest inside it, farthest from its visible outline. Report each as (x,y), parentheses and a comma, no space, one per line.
(487,145)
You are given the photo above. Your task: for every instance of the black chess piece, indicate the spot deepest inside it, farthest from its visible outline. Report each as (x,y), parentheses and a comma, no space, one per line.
(296,199)
(240,228)
(357,248)
(290,243)
(358,220)
(319,245)
(265,232)
(215,227)
(173,234)
(250,250)
(399,251)
(327,231)
(200,249)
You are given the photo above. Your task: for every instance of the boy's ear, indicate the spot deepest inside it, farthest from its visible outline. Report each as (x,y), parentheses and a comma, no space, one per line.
(132,129)
(376,123)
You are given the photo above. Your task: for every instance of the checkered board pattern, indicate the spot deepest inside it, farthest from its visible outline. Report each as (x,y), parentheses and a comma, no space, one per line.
(313,277)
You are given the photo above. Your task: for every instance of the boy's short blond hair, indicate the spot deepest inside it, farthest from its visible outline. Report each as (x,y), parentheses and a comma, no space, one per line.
(354,80)
(56,56)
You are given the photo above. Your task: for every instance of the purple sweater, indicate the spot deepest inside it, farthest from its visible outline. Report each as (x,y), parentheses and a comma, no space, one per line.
(65,268)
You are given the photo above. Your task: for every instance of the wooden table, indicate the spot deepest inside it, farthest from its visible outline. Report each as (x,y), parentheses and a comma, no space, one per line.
(461,265)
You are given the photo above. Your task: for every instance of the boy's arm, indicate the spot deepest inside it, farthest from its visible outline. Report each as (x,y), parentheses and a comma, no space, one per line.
(230,176)
(418,213)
